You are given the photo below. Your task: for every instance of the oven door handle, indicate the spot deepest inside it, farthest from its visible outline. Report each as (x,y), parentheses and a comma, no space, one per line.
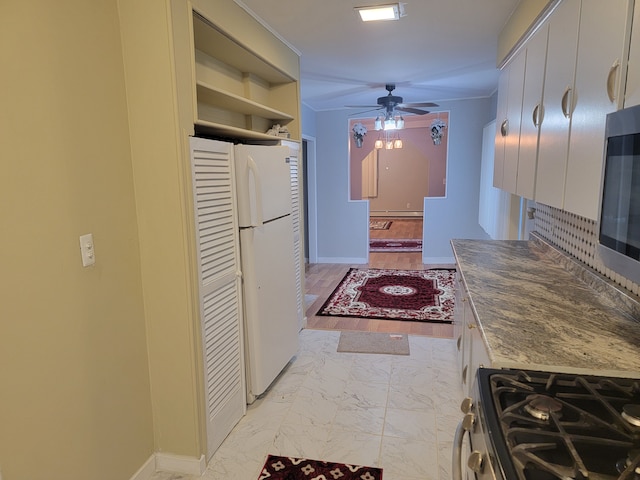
(465,425)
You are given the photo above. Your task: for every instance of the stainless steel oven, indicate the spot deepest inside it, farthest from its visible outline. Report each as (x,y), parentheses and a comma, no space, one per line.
(527,425)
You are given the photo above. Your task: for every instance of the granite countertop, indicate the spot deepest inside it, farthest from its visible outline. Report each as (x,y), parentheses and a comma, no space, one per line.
(537,309)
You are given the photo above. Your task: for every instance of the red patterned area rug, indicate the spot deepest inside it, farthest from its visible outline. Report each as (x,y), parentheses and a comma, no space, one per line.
(289,468)
(415,295)
(395,245)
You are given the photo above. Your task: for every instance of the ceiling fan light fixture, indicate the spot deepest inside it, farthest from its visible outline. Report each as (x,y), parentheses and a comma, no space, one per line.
(397,143)
(378,124)
(392,11)
(400,123)
(379,144)
(390,124)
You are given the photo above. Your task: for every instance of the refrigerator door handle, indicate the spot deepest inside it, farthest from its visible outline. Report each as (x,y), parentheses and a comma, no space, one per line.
(255,193)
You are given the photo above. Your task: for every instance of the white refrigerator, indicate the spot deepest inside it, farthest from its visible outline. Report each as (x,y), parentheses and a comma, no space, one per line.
(263,186)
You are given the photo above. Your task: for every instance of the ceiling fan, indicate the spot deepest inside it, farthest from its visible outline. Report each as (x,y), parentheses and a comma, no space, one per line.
(392,103)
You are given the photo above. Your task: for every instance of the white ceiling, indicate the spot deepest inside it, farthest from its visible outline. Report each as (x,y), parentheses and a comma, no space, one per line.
(441,50)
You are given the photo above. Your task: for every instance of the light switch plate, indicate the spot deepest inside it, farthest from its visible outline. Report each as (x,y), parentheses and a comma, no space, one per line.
(87,249)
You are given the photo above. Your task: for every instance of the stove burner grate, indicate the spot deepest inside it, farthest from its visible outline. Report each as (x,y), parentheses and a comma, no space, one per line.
(564,426)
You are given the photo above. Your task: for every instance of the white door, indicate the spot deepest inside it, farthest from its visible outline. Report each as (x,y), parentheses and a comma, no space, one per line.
(263,183)
(217,247)
(296,217)
(271,323)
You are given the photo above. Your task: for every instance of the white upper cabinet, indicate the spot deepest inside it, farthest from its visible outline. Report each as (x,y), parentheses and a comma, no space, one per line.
(632,91)
(558,95)
(532,112)
(584,80)
(501,129)
(509,107)
(598,90)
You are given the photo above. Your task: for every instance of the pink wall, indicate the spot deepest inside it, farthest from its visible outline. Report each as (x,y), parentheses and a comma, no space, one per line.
(406,175)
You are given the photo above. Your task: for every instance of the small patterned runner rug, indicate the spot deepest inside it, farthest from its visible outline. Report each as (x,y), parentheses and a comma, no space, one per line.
(415,295)
(379,224)
(289,468)
(395,245)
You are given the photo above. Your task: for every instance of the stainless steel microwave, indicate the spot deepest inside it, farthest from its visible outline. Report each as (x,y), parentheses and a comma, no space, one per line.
(619,227)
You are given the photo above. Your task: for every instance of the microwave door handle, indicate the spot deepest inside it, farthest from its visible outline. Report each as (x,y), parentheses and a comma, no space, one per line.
(256,193)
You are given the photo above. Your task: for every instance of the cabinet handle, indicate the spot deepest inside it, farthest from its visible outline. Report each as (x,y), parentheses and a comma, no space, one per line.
(537,115)
(565,102)
(458,343)
(471,326)
(504,128)
(611,81)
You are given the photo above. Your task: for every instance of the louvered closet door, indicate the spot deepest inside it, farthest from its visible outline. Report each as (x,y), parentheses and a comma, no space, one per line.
(296,217)
(220,294)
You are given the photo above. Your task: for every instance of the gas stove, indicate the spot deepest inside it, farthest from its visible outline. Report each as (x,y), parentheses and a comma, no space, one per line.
(529,425)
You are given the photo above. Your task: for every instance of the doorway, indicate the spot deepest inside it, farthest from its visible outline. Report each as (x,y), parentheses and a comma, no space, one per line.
(309,200)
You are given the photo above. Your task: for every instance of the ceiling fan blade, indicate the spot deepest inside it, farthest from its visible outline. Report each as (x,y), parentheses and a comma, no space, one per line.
(365,111)
(412,110)
(423,104)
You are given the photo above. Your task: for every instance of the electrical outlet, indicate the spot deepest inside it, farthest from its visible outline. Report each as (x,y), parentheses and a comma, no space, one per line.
(87,250)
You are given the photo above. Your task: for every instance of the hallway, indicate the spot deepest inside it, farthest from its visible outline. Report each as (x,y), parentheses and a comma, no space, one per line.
(322,278)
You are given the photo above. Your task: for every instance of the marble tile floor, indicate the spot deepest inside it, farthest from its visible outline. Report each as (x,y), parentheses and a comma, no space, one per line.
(391,411)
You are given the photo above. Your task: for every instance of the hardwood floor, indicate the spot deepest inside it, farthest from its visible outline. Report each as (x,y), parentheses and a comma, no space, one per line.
(322,278)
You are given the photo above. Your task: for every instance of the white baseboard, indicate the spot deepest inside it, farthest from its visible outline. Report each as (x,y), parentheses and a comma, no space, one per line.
(164,462)
(180,464)
(146,470)
(342,260)
(439,260)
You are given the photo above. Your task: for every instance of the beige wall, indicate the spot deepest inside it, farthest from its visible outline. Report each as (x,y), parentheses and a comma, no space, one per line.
(521,19)
(75,398)
(162,179)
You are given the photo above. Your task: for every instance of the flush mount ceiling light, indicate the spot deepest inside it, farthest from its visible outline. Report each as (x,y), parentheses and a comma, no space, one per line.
(391,11)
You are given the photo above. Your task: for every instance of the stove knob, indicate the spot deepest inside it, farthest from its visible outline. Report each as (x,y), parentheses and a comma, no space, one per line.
(475,462)
(466,405)
(468,421)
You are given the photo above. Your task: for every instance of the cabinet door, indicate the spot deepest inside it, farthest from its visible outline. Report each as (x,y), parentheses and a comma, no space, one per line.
(508,132)
(632,88)
(514,117)
(602,48)
(217,248)
(501,128)
(532,113)
(296,217)
(458,323)
(468,371)
(558,94)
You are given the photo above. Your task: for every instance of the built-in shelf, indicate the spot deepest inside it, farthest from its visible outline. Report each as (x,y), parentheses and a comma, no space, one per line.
(226,131)
(238,93)
(230,101)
